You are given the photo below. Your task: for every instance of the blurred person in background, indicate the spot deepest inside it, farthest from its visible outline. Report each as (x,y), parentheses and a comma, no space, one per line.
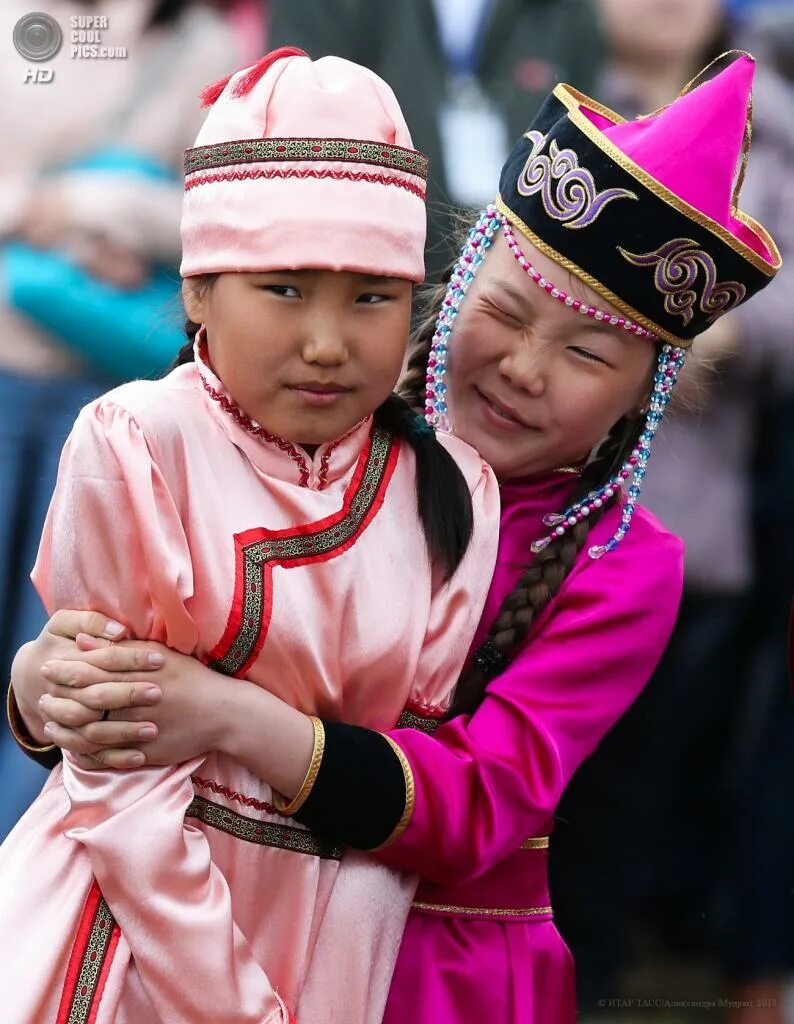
(249,21)
(469,75)
(115,218)
(693,788)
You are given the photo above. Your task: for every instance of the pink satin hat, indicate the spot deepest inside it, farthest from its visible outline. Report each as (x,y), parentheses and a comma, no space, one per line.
(304,164)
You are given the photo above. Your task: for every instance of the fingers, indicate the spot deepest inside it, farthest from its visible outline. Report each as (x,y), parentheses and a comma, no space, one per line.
(93,740)
(118,734)
(66,712)
(131,700)
(112,758)
(69,623)
(95,666)
(76,707)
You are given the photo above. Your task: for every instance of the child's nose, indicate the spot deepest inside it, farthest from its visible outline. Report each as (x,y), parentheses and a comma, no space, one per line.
(525,368)
(325,343)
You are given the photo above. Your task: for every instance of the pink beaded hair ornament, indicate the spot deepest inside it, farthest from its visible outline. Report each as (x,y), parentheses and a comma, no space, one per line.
(671,359)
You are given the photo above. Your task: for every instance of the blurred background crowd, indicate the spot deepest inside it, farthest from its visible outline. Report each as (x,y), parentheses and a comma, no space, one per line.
(673,854)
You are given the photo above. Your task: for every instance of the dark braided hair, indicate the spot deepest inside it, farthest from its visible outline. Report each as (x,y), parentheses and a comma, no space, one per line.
(442,494)
(543,578)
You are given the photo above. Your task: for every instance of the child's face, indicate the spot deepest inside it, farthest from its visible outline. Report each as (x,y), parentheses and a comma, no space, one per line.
(532,384)
(308,353)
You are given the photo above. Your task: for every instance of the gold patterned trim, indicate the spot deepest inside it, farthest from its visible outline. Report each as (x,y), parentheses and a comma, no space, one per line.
(588,279)
(359,151)
(443,908)
(94,948)
(536,843)
(290,807)
(410,793)
(423,723)
(249,617)
(572,99)
(18,728)
(263,833)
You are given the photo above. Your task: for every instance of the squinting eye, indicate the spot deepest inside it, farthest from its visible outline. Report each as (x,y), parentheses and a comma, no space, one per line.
(284,290)
(370,299)
(585,354)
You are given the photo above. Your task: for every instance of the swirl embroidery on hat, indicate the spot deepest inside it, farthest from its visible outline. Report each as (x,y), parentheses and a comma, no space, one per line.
(576,202)
(677,264)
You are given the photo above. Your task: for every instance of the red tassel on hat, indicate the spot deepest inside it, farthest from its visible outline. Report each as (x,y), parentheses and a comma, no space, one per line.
(211,94)
(252,76)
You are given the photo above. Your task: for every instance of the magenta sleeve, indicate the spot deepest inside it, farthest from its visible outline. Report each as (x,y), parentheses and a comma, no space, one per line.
(485,783)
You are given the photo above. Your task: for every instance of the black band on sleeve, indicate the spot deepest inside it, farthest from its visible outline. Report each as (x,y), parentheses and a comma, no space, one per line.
(359,796)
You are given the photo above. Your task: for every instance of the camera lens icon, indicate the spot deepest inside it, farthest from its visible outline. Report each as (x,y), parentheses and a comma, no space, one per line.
(37,37)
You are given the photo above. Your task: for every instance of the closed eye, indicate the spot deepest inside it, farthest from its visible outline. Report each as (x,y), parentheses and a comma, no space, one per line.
(588,355)
(504,314)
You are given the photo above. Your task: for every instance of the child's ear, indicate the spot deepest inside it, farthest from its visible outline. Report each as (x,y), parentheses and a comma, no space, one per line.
(194,299)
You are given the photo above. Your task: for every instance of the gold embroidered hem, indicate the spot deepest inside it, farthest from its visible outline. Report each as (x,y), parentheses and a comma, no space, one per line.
(264,833)
(410,719)
(441,908)
(536,843)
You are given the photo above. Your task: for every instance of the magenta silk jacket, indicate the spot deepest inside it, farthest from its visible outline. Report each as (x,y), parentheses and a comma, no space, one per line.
(480,942)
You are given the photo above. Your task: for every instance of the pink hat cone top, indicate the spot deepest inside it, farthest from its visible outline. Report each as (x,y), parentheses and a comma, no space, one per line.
(694,146)
(304,164)
(645,212)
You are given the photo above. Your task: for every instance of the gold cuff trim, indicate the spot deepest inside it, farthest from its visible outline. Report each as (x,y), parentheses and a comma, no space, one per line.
(588,279)
(442,908)
(410,793)
(19,731)
(290,807)
(536,843)
(572,99)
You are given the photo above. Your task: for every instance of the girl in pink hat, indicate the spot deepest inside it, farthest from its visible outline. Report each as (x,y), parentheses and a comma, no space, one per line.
(554,350)
(274,510)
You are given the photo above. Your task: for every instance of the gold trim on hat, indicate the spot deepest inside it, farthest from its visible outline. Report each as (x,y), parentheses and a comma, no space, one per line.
(286,150)
(571,98)
(592,282)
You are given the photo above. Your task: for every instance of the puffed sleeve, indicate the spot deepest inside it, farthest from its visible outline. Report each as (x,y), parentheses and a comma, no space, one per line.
(362,795)
(114,541)
(486,782)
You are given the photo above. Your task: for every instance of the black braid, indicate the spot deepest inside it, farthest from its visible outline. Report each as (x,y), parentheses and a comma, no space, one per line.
(442,494)
(544,576)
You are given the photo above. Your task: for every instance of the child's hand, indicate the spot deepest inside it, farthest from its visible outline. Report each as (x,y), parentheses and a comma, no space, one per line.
(56,641)
(177,722)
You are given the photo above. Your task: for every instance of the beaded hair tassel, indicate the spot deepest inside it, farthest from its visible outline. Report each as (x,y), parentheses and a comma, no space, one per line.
(671,359)
(472,254)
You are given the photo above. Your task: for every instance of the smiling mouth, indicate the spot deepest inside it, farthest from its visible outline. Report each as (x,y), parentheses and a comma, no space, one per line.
(503,412)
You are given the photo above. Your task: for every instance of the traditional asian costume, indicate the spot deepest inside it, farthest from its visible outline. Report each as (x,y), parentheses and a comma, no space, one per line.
(180,895)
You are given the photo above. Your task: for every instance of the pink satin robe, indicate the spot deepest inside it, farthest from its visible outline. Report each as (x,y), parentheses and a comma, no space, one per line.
(481,944)
(306,576)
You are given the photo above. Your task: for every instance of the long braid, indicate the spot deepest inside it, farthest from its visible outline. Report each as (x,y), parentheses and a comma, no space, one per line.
(544,577)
